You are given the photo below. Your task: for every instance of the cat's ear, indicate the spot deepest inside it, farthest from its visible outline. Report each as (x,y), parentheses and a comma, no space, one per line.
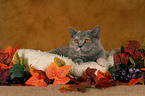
(72,31)
(96,32)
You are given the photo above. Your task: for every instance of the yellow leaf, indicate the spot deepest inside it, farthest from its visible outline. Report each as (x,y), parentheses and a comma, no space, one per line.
(18,59)
(59,62)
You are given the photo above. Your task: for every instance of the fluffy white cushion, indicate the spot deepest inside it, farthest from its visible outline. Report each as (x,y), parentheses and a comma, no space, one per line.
(41,61)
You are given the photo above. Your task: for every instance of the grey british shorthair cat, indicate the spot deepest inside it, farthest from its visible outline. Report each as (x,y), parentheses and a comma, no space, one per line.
(84,46)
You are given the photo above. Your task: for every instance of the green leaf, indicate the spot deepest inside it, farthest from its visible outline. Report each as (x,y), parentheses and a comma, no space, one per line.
(132,61)
(59,62)
(111,70)
(18,59)
(17,71)
(122,49)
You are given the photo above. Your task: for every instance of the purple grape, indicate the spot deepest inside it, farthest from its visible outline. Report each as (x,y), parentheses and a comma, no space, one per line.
(120,78)
(123,73)
(129,76)
(131,71)
(137,70)
(134,76)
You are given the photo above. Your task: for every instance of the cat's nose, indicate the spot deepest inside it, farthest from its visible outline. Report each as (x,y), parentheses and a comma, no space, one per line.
(80,46)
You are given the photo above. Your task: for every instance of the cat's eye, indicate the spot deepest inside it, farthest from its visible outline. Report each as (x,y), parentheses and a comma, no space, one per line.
(76,41)
(87,40)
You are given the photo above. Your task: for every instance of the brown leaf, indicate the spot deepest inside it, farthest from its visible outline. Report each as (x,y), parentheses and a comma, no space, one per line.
(81,87)
(90,76)
(75,87)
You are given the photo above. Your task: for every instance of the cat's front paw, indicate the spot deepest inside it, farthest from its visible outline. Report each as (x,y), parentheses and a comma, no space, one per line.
(103,62)
(79,61)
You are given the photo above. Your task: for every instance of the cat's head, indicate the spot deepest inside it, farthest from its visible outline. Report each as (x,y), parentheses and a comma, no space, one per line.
(85,43)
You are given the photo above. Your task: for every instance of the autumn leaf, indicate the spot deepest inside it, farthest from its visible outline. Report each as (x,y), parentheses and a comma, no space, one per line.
(121,58)
(59,62)
(73,79)
(11,51)
(36,82)
(37,78)
(37,73)
(80,87)
(133,81)
(105,80)
(75,87)
(4,67)
(4,76)
(90,76)
(4,57)
(132,48)
(58,73)
(142,69)
(18,59)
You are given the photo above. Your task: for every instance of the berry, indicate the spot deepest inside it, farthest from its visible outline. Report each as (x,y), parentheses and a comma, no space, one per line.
(123,73)
(131,71)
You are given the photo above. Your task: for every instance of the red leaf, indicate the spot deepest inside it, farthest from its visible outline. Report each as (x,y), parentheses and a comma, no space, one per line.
(58,73)
(105,80)
(11,51)
(76,81)
(133,81)
(132,48)
(4,67)
(4,57)
(90,76)
(121,58)
(4,76)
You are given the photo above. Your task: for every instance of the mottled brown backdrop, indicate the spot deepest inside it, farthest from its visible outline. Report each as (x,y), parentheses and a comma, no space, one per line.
(43,24)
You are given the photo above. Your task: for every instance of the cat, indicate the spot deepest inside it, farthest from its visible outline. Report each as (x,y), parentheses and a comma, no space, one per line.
(84,46)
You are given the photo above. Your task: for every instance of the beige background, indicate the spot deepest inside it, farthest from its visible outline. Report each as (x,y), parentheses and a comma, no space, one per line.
(43,24)
(52,90)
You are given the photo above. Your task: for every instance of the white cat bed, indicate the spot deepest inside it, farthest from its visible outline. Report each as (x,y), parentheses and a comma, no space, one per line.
(41,61)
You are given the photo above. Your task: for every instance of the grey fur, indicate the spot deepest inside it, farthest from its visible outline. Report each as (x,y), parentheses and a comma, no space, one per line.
(81,51)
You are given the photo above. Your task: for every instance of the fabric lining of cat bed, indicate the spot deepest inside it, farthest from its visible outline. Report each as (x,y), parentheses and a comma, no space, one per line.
(41,61)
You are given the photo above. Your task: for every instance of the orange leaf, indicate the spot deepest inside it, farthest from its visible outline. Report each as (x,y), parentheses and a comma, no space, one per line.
(61,81)
(37,73)
(36,82)
(142,69)
(4,67)
(133,81)
(58,73)
(11,50)
(104,75)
